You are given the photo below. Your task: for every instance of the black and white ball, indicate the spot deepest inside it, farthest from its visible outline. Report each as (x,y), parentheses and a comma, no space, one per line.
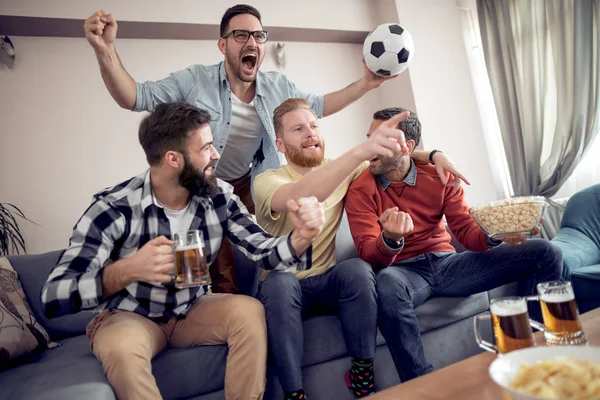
(388,49)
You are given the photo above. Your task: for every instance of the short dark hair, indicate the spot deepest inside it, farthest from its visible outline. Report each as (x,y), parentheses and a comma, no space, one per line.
(411,126)
(238,9)
(167,128)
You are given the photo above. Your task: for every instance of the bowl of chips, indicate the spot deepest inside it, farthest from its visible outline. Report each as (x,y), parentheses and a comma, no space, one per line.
(545,372)
(517,216)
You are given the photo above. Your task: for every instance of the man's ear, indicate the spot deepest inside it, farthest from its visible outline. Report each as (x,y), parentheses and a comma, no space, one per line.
(410,143)
(280,145)
(173,159)
(222,45)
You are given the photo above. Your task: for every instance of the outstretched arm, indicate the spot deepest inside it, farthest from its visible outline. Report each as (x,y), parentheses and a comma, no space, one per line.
(283,253)
(386,141)
(101,32)
(337,101)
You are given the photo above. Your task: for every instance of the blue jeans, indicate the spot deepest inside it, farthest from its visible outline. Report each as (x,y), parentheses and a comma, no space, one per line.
(347,288)
(405,285)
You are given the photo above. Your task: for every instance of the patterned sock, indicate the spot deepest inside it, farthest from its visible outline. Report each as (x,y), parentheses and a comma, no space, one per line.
(295,395)
(360,378)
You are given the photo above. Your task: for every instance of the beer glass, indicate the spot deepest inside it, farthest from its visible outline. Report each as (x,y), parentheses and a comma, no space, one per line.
(510,323)
(560,314)
(191,267)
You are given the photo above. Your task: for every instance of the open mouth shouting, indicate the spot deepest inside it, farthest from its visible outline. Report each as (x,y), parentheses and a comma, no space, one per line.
(249,62)
(311,146)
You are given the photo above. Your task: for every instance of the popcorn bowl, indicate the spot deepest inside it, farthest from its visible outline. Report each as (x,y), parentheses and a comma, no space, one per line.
(510,217)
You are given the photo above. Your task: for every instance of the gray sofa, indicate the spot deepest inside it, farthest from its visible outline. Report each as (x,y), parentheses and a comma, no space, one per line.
(72,372)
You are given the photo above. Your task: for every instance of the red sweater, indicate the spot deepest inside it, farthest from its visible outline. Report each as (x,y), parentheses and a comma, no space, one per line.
(426,202)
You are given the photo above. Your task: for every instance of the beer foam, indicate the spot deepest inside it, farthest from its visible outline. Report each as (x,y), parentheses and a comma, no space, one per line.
(508,307)
(557,297)
(189,247)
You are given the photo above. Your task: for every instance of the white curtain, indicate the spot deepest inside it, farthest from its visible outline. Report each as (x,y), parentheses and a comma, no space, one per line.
(542,61)
(485,99)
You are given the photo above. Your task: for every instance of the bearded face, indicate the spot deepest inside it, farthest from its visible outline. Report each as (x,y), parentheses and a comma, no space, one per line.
(383,165)
(198,181)
(310,153)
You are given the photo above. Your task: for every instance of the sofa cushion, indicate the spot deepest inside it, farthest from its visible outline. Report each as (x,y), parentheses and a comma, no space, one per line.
(323,339)
(20,332)
(322,333)
(67,372)
(582,213)
(344,244)
(33,270)
(71,371)
(441,311)
(184,373)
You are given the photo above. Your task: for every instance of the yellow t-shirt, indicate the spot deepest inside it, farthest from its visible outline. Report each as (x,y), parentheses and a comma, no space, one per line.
(278,224)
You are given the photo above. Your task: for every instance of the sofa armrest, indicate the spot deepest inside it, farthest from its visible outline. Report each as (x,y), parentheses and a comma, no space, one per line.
(578,250)
(33,270)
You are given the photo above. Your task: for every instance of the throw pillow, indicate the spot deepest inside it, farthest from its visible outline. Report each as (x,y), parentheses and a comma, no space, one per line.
(20,332)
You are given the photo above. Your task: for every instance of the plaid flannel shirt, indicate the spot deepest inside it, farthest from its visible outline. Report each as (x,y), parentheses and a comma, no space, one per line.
(124,218)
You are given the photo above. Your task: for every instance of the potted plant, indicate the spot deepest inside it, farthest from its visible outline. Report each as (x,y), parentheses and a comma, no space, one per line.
(11,238)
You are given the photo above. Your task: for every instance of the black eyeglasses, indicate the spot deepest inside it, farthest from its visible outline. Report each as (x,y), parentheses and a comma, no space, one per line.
(242,36)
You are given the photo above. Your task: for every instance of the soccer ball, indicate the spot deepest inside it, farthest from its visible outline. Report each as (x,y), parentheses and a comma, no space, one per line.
(388,49)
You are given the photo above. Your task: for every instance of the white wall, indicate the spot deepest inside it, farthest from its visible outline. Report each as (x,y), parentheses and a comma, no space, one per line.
(444,92)
(62,137)
(399,91)
(357,15)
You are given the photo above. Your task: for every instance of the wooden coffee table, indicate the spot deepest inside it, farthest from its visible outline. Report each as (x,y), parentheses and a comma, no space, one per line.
(469,379)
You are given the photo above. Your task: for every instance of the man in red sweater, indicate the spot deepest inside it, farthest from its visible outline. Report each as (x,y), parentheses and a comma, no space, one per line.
(395,210)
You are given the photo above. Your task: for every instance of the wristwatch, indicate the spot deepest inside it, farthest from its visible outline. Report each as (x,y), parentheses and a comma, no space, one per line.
(432,154)
(393,244)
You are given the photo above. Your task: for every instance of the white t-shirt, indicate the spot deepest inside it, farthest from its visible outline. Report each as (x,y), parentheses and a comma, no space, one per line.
(242,142)
(179,220)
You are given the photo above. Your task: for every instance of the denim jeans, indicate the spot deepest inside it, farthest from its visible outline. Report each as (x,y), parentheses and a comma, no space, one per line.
(405,285)
(347,288)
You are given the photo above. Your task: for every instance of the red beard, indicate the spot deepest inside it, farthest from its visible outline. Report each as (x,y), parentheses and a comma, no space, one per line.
(296,156)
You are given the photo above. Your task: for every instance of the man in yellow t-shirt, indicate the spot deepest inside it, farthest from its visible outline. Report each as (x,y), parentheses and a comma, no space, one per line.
(321,286)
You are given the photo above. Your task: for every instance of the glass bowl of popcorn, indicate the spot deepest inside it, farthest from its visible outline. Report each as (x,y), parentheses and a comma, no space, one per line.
(510,217)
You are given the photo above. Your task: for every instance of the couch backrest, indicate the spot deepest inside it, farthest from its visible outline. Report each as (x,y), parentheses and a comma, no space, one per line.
(582,213)
(33,270)
(344,245)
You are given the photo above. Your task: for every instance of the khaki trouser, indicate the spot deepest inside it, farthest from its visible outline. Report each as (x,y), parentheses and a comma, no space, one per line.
(126,342)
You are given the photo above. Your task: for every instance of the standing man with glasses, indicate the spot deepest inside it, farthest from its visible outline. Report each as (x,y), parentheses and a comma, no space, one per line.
(239,98)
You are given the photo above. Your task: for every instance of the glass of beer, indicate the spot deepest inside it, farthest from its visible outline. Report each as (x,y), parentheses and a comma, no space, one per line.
(561,317)
(510,323)
(191,267)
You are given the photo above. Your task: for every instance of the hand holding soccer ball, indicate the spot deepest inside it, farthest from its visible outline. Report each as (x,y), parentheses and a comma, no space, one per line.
(388,50)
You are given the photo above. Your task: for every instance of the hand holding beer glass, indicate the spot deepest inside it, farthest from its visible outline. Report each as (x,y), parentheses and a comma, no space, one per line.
(191,266)
(511,325)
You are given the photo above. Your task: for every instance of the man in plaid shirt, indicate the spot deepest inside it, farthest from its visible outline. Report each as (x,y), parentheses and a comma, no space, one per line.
(120,260)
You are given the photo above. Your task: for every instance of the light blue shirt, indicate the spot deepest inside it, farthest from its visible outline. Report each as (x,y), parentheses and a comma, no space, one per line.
(207,88)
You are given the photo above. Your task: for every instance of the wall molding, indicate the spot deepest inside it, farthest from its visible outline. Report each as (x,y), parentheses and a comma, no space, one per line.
(69,27)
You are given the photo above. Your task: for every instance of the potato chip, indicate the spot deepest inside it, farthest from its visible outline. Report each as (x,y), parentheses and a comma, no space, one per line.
(562,378)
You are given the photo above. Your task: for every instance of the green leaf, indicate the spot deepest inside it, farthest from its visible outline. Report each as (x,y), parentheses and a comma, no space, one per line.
(11,237)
